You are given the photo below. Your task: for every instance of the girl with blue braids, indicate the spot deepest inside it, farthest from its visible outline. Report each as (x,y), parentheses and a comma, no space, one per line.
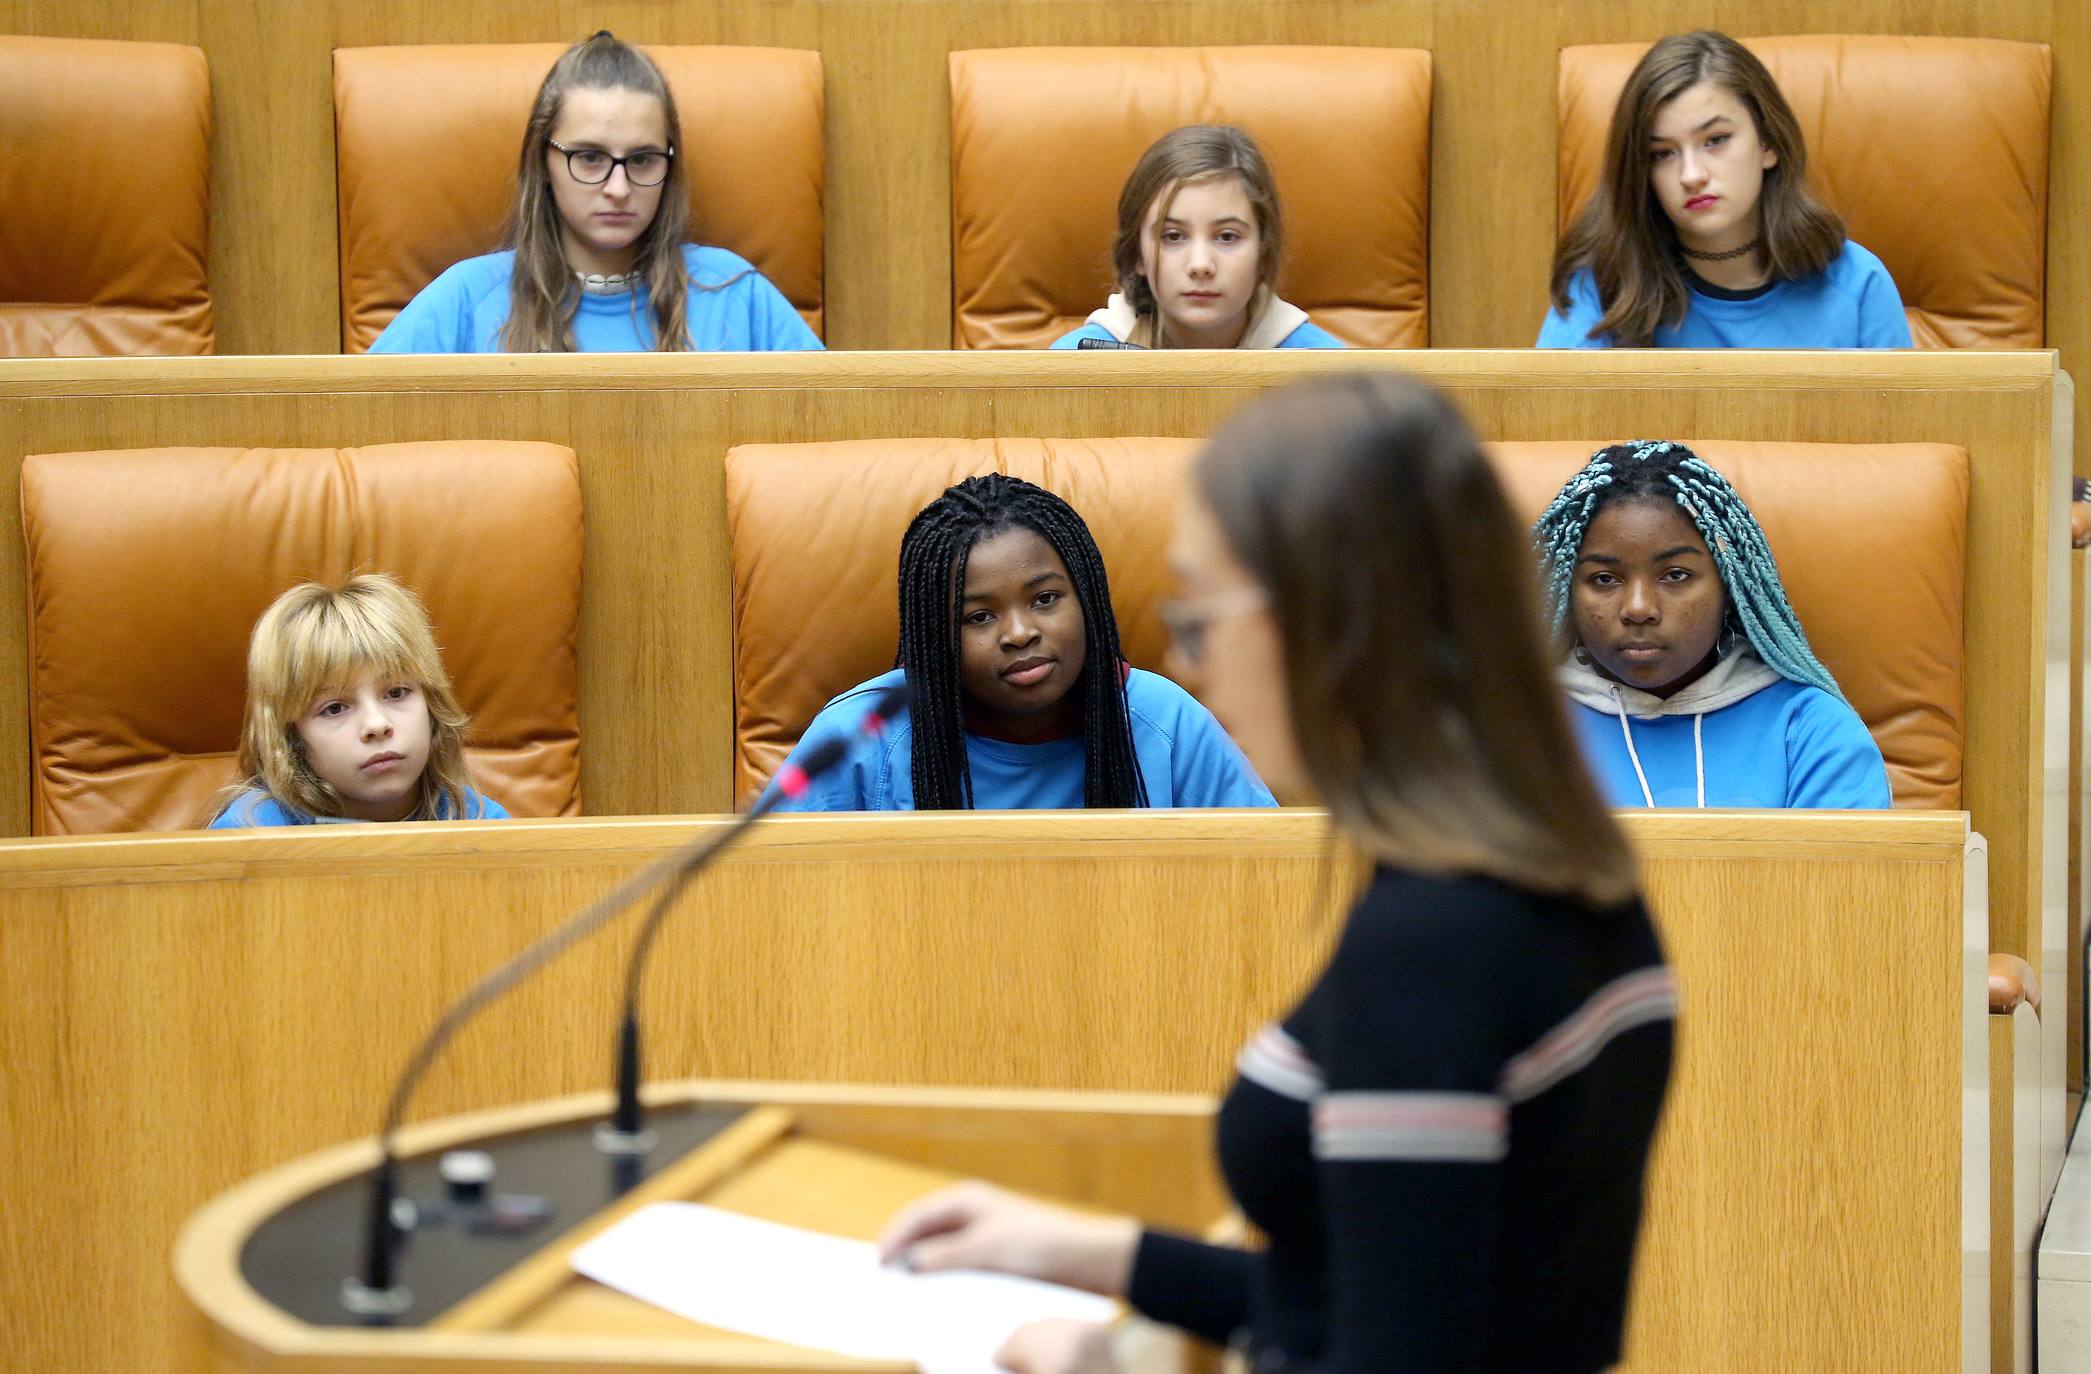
(1690,678)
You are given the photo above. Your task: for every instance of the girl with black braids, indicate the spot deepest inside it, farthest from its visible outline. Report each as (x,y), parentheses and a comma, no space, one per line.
(1692,681)
(1022,699)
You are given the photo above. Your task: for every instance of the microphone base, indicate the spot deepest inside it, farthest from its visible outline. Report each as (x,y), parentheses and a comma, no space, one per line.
(612,1141)
(370,1303)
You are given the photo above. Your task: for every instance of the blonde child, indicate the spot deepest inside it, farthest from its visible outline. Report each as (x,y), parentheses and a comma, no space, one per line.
(350,716)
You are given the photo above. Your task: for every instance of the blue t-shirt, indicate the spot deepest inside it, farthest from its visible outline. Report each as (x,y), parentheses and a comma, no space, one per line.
(732,309)
(1184,756)
(1786,745)
(1308,335)
(254,807)
(1852,303)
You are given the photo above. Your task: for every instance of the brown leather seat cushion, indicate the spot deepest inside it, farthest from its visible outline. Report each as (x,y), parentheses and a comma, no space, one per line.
(105,176)
(426,142)
(1042,140)
(1898,129)
(1871,540)
(148,567)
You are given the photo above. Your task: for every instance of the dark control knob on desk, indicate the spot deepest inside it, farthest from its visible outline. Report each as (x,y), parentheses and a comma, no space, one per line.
(467,1174)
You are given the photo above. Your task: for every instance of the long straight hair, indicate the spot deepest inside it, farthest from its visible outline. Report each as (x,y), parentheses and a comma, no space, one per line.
(1422,698)
(933,557)
(1625,238)
(316,639)
(542,291)
(1193,153)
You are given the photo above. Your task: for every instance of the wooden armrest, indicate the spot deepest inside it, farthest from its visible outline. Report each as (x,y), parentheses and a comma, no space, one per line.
(2011,983)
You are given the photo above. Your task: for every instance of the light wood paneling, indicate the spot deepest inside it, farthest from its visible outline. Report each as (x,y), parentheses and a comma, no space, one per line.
(651,433)
(182,1012)
(888,192)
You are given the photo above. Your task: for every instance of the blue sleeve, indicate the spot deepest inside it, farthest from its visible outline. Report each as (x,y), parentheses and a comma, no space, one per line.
(438,320)
(1311,335)
(250,809)
(1832,763)
(845,787)
(1207,768)
(776,324)
(1882,320)
(1572,329)
(480,807)
(1073,337)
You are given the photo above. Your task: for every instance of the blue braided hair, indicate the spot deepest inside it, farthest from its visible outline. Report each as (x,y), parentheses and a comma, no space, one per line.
(1757,605)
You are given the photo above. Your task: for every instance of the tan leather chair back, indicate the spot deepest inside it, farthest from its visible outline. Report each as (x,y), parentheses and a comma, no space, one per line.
(1933,149)
(426,140)
(105,176)
(1871,542)
(148,567)
(1042,140)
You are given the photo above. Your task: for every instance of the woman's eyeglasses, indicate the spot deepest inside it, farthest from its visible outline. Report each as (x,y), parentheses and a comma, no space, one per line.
(1187,621)
(592,166)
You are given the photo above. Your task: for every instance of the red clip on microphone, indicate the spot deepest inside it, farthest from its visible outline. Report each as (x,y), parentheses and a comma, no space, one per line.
(793,779)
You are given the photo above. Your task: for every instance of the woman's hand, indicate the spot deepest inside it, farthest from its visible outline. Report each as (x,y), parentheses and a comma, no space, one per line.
(1058,1346)
(975,1226)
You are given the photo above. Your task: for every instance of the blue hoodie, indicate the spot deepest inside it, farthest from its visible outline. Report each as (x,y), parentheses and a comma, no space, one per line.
(732,309)
(1852,303)
(1740,736)
(1185,758)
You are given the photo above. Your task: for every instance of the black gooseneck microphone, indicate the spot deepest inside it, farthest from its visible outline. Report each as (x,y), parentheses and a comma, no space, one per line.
(625,1133)
(375,1292)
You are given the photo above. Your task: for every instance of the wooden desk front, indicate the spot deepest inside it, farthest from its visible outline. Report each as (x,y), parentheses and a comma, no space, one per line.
(183,1011)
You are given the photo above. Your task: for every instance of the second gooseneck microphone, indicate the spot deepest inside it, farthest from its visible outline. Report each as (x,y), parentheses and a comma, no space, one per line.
(374,1292)
(625,1133)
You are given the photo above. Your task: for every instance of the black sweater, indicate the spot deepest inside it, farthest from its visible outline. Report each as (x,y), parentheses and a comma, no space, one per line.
(1444,1144)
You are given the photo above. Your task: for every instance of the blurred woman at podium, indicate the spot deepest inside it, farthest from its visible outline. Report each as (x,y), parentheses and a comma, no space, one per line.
(1444,1142)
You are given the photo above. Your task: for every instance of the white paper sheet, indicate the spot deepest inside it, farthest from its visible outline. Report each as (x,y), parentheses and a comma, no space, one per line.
(819,1291)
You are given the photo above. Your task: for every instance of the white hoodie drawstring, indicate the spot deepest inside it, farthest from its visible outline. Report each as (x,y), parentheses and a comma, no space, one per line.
(1647,796)
(1698,752)
(1699,756)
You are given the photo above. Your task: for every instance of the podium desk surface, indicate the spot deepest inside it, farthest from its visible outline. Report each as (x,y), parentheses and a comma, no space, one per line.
(831,1159)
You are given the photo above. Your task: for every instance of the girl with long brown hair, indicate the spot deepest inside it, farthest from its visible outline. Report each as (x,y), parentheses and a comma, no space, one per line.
(1444,1143)
(1197,252)
(1702,232)
(597,259)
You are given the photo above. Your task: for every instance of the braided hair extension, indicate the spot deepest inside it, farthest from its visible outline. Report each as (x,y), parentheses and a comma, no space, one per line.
(1757,605)
(933,555)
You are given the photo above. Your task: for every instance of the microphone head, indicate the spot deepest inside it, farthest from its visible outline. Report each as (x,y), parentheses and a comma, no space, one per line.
(794,778)
(889,702)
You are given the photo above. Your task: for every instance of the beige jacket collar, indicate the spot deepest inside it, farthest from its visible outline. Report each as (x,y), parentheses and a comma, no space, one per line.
(1271,320)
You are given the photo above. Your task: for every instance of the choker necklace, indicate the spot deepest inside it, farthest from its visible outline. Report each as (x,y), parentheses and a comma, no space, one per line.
(1752,246)
(596,284)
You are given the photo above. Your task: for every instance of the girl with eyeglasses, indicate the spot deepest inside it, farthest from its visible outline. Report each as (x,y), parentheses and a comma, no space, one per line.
(1022,698)
(597,260)
(1443,1144)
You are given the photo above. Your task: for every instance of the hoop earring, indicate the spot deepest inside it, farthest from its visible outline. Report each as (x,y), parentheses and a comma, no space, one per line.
(1580,654)
(1726,644)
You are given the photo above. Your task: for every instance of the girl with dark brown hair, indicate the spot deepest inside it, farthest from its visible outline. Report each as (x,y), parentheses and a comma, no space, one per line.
(1444,1142)
(1197,252)
(1702,232)
(597,260)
